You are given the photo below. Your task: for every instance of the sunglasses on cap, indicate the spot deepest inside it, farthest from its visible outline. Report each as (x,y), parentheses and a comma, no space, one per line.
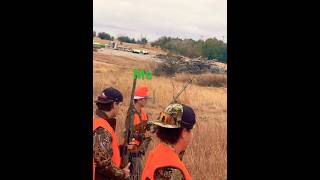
(167,119)
(170,120)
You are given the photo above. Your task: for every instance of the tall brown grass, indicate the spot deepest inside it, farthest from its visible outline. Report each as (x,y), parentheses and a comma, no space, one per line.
(206,157)
(207,79)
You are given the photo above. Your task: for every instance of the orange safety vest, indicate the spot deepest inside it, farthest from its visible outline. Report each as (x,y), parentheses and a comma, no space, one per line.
(136,121)
(163,156)
(99,122)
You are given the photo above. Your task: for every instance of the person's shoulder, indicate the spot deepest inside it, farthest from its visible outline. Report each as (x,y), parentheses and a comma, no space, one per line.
(102,138)
(100,131)
(168,173)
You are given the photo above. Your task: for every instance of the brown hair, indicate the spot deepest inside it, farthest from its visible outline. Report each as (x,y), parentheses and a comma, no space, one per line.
(105,106)
(170,135)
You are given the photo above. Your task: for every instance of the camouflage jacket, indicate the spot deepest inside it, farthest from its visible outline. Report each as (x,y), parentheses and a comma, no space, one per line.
(102,153)
(169,173)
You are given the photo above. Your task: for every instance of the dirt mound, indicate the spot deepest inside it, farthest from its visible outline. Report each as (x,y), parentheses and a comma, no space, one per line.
(177,64)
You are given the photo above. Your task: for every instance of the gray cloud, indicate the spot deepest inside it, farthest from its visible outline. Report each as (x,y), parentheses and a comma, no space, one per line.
(154,18)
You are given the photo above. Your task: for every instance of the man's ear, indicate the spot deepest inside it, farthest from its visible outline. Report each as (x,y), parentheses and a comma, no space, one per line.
(112,107)
(184,133)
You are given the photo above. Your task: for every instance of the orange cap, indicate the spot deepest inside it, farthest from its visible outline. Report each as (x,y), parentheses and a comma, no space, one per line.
(141,92)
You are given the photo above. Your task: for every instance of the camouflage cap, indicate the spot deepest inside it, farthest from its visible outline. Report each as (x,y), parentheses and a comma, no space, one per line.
(171,117)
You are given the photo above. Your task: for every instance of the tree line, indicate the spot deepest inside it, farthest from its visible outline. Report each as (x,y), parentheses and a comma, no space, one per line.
(106,36)
(211,48)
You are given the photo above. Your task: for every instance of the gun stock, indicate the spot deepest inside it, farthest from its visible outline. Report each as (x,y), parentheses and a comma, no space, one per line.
(181,90)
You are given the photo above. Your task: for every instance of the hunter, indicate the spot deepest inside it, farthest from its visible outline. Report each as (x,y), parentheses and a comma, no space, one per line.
(174,129)
(139,145)
(106,153)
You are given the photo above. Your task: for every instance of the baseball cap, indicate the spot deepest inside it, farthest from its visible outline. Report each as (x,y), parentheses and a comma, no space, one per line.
(176,116)
(110,95)
(141,93)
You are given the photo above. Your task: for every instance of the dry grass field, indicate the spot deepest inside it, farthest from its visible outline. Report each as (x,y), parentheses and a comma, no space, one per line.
(206,157)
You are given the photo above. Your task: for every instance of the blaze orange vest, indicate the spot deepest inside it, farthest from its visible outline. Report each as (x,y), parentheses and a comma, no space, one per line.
(99,122)
(136,121)
(163,156)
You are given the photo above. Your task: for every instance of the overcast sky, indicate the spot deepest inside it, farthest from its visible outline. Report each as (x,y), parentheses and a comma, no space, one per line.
(196,19)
